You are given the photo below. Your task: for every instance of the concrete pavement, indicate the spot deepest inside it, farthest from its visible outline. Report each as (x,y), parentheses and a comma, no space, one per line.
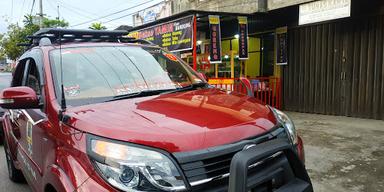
(5,183)
(342,153)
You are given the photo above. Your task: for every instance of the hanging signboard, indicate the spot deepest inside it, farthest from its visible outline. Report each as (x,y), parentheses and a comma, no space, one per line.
(324,10)
(153,13)
(174,35)
(281,47)
(243,38)
(215,34)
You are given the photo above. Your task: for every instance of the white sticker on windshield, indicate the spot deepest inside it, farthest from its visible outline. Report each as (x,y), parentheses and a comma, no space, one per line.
(123,90)
(72,91)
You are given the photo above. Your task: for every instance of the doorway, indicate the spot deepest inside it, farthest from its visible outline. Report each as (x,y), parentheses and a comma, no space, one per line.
(267,50)
(336,68)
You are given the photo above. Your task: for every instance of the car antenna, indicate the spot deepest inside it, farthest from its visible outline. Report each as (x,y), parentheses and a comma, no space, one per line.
(62,103)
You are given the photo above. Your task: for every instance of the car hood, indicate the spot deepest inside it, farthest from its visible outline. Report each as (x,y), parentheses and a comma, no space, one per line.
(175,122)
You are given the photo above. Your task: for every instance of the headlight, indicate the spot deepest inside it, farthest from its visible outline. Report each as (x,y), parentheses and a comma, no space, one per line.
(283,119)
(132,168)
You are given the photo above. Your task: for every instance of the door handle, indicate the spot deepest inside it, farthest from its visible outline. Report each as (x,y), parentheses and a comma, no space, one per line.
(14,116)
(18,114)
(342,75)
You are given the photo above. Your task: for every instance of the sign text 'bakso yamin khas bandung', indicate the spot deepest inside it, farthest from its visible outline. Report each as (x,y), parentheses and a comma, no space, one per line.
(243,38)
(281,48)
(174,35)
(215,33)
(324,10)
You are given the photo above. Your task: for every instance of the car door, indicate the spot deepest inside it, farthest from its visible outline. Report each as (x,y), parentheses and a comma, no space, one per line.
(14,114)
(32,124)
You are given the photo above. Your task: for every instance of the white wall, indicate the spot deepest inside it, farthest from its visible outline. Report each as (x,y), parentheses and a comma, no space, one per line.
(238,6)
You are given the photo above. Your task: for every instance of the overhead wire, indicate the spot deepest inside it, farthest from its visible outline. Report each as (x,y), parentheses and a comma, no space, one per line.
(74,11)
(12,11)
(119,18)
(130,14)
(117,12)
(115,6)
(224,6)
(51,5)
(63,3)
(21,11)
(33,5)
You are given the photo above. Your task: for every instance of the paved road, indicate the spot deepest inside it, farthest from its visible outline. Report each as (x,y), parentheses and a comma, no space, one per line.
(342,154)
(5,183)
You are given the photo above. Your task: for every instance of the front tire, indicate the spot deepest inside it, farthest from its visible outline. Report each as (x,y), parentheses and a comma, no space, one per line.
(14,174)
(1,135)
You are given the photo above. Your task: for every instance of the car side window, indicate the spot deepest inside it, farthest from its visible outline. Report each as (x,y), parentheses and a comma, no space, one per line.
(33,78)
(19,73)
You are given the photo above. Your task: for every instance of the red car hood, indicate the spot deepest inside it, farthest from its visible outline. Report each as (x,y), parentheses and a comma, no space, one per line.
(176,122)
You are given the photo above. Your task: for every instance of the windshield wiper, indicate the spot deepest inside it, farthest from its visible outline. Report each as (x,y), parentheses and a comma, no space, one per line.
(143,93)
(187,88)
(146,93)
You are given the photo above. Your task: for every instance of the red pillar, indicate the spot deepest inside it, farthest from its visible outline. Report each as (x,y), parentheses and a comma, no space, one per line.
(194,43)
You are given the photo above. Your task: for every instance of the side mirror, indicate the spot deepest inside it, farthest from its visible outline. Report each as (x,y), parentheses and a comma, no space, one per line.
(19,98)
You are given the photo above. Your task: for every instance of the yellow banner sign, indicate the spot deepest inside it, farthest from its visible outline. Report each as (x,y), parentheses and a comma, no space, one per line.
(214,19)
(221,81)
(242,20)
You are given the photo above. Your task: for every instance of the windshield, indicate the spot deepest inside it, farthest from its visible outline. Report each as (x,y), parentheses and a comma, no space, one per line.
(97,74)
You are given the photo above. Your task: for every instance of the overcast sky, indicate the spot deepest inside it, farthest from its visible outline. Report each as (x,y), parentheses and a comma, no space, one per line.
(73,11)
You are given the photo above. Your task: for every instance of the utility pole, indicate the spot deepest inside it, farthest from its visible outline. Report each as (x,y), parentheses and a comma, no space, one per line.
(41,14)
(58,16)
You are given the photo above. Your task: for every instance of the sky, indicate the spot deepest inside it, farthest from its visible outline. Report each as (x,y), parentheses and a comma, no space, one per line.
(74,11)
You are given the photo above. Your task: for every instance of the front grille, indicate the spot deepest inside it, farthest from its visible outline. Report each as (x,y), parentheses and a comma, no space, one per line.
(207,168)
(215,162)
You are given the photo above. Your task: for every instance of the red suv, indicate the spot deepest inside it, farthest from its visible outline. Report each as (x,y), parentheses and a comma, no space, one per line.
(97,111)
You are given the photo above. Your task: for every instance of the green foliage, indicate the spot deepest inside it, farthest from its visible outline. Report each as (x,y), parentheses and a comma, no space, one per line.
(48,23)
(97,26)
(14,36)
(2,54)
(17,34)
(30,21)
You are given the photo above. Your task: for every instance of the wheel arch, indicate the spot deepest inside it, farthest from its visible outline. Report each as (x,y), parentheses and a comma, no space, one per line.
(67,169)
(55,178)
(49,188)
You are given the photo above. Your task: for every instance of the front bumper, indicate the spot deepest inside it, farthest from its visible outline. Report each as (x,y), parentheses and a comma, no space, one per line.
(271,164)
(284,173)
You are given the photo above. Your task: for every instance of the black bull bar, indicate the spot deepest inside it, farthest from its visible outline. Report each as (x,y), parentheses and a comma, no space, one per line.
(284,175)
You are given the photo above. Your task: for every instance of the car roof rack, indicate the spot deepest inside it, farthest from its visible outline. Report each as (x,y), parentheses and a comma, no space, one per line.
(49,36)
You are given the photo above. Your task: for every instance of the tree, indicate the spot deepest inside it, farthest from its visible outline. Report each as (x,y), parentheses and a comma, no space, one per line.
(17,34)
(97,26)
(2,54)
(29,20)
(48,23)
(14,36)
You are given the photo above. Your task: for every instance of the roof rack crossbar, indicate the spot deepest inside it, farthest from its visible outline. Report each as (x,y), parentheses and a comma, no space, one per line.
(57,35)
(73,35)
